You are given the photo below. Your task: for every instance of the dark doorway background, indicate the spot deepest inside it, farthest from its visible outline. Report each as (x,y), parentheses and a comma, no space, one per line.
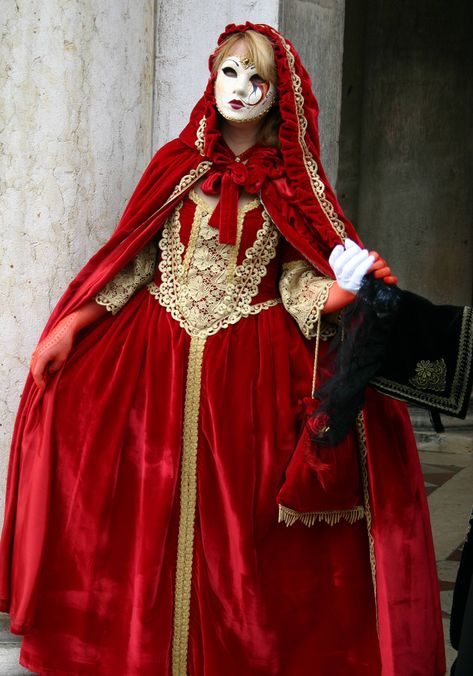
(406,139)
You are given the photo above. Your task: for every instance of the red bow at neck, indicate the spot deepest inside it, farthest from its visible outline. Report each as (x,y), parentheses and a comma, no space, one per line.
(230,175)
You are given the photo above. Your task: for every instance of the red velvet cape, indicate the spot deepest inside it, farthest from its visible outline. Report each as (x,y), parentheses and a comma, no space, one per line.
(305,210)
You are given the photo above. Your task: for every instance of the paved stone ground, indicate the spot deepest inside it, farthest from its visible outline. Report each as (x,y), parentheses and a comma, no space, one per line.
(447,464)
(9,650)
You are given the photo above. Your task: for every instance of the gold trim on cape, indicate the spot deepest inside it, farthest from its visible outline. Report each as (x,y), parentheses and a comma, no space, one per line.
(187,180)
(188,502)
(200,135)
(363,454)
(310,164)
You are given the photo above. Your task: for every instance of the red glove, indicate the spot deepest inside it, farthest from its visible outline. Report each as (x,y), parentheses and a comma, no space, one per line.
(54,349)
(337,299)
(381,269)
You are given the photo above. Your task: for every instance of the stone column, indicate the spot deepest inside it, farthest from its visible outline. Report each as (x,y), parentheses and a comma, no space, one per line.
(76,117)
(315,27)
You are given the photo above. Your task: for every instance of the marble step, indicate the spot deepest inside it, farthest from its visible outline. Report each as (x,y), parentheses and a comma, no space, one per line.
(10,650)
(9,660)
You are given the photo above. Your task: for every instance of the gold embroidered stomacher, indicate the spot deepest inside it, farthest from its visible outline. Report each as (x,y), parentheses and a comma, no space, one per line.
(304,294)
(133,276)
(202,287)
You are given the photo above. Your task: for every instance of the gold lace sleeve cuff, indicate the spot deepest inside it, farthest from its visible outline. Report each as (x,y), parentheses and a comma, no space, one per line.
(304,294)
(136,274)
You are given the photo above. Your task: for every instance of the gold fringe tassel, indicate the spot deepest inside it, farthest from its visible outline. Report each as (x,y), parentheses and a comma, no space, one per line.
(290,516)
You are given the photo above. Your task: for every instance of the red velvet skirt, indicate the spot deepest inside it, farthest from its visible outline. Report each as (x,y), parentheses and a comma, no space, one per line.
(265,599)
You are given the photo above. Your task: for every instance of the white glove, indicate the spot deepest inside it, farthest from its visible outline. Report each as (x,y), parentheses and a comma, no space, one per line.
(350,264)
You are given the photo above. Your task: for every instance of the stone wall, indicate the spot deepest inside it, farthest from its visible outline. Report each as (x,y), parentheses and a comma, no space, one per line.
(76,127)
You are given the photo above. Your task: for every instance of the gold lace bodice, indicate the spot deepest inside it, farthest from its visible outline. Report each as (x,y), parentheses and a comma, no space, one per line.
(202,284)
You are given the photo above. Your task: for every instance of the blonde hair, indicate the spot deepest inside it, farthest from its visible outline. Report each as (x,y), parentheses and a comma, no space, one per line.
(260,52)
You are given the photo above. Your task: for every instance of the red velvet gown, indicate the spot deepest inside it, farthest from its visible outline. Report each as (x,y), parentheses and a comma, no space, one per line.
(174,421)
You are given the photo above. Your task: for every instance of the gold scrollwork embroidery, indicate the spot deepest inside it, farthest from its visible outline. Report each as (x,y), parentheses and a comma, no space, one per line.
(430,375)
(200,136)
(188,179)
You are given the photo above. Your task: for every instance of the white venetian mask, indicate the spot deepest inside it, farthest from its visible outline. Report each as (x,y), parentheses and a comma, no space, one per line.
(241,94)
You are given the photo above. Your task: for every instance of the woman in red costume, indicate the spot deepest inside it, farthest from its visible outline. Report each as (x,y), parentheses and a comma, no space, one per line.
(158,520)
